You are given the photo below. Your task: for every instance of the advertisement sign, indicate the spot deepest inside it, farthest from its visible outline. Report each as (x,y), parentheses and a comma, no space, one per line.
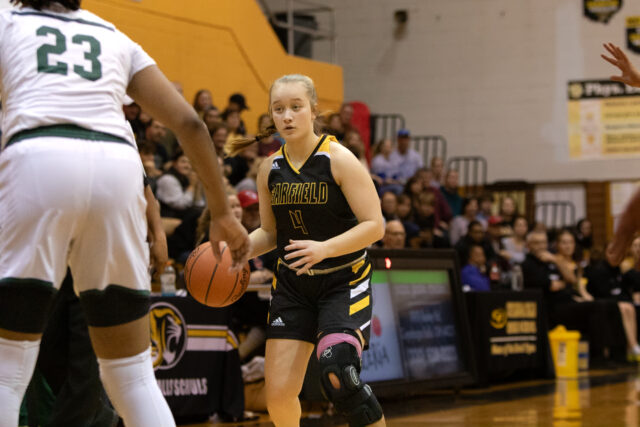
(604,120)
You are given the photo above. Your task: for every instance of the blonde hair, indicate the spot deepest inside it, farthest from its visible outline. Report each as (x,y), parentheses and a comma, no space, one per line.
(234,147)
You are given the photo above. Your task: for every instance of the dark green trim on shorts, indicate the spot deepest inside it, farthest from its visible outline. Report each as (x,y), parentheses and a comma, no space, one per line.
(114,305)
(64,19)
(25,304)
(66,131)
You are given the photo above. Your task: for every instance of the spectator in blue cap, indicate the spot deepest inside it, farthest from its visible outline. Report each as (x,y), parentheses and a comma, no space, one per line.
(408,158)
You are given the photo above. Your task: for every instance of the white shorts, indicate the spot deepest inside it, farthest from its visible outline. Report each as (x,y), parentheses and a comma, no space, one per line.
(77,203)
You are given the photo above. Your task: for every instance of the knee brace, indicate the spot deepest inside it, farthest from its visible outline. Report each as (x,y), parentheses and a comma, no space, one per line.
(353,399)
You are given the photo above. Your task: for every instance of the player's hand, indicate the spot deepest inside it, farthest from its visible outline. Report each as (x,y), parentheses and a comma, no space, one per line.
(308,252)
(227,228)
(630,74)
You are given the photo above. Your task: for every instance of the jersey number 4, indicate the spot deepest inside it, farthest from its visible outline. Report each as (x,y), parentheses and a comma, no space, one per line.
(296,219)
(60,47)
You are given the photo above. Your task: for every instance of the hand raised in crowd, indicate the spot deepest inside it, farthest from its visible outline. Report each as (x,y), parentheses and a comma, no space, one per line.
(630,74)
(308,252)
(228,229)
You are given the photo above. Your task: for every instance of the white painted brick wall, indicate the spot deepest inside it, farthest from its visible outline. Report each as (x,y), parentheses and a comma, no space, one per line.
(489,75)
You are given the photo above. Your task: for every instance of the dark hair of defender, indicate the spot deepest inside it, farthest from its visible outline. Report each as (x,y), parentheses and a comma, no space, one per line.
(45,4)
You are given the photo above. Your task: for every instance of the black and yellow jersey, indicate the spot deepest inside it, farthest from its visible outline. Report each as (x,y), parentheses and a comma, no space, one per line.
(307,203)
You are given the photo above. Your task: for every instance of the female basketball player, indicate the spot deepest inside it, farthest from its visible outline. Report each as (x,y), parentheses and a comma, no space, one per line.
(320,210)
(71,193)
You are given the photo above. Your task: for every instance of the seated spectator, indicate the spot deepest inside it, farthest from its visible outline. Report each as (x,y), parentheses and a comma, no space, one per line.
(605,282)
(346,114)
(334,127)
(573,273)
(219,133)
(389,205)
(443,212)
(404,212)
(437,169)
(394,235)
(179,189)
(430,234)
(473,274)
(475,236)
(250,209)
(485,207)
(202,101)
(494,239)
(460,223)
(407,157)
(238,103)
(249,182)
(413,188)
(353,142)
(584,238)
(449,190)
(386,169)
(147,153)
(508,212)
(155,134)
(515,247)
(600,322)
(210,117)
(540,270)
(234,124)
(269,145)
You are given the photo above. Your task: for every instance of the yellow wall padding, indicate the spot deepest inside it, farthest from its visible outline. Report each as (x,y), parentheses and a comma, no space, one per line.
(225,46)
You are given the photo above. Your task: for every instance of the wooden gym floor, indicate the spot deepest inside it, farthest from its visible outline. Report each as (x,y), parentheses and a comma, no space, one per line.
(601,398)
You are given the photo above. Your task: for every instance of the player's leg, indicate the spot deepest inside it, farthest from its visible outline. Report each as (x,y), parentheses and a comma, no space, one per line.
(344,319)
(37,217)
(291,331)
(284,368)
(109,264)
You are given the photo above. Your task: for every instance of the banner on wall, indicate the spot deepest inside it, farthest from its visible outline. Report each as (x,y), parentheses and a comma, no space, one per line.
(604,120)
(633,33)
(601,10)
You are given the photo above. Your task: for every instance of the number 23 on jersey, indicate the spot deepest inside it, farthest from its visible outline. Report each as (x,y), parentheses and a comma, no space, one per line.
(46,64)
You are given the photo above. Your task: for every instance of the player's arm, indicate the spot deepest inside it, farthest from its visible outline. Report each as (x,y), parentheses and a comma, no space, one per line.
(358,189)
(361,194)
(263,239)
(156,95)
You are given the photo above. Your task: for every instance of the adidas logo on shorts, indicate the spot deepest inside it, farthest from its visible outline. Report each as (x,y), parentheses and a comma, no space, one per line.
(275,165)
(277,322)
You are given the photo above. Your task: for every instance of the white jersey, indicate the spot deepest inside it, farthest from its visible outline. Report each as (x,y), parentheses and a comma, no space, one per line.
(65,68)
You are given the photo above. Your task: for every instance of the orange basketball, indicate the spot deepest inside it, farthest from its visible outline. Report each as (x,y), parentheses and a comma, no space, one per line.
(211,283)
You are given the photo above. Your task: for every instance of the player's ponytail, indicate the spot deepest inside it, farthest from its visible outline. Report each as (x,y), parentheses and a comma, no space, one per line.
(234,147)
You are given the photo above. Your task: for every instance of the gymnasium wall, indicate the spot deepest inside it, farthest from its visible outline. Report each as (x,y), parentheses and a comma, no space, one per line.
(489,75)
(226,46)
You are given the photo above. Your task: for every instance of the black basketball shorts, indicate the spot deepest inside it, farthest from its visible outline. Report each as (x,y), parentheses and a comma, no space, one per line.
(305,307)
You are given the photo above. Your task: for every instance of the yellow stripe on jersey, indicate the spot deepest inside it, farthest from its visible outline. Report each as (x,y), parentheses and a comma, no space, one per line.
(286,157)
(362,276)
(364,302)
(325,146)
(357,266)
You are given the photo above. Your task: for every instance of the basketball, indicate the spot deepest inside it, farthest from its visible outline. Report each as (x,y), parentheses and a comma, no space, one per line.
(211,283)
